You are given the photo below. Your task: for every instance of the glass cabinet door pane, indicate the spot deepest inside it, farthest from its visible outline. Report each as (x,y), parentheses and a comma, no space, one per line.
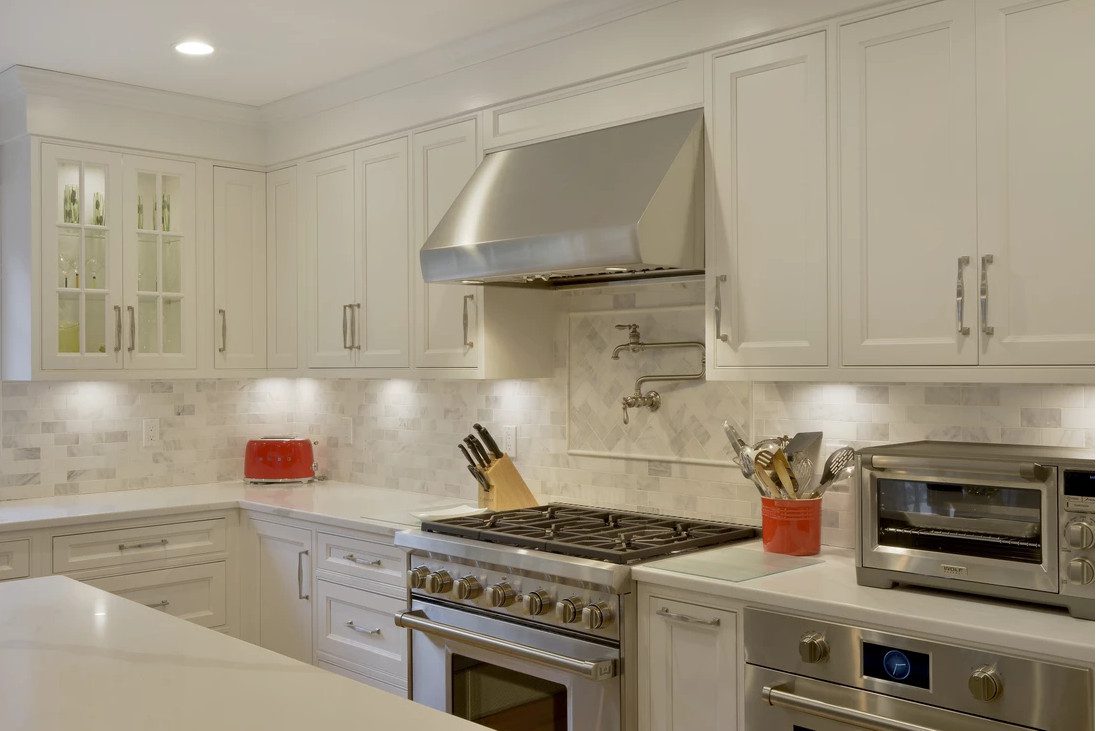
(95,319)
(147,206)
(173,325)
(172,262)
(148,321)
(95,195)
(68,192)
(68,257)
(168,196)
(95,260)
(68,323)
(148,279)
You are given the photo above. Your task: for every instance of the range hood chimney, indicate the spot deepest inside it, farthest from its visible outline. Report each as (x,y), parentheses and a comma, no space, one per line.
(625,202)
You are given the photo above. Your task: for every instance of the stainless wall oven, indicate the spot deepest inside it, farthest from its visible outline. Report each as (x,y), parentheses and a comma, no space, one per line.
(1002,520)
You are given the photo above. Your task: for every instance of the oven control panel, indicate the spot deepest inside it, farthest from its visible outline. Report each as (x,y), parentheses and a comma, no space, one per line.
(541,599)
(1077,532)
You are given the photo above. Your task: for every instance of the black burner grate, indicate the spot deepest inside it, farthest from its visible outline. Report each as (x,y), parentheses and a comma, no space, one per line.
(609,535)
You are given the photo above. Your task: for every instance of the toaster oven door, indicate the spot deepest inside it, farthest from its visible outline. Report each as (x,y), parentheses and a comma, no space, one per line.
(992,524)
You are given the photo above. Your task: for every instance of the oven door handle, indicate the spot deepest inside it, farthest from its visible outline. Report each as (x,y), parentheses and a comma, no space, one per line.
(784,696)
(1026,470)
(590,669)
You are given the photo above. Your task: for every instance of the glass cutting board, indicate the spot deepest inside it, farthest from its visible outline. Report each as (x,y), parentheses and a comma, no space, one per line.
(731,563)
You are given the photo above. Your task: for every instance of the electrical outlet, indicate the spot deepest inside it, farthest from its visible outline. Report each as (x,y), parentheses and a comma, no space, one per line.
(150,429)
(348,430)
(510,440)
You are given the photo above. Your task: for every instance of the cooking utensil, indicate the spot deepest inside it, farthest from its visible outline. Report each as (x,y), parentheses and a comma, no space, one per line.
(802,449)
(784,473)
(762,461)
(835,463)
(488,441)
(842,474)
(734,436)
(477,451)
(803,472)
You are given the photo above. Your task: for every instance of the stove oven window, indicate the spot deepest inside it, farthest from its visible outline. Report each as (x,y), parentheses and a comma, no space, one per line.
(506,700)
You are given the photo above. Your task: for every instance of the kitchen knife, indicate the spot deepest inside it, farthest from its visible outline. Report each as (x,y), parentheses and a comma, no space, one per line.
(480,478)
(477,451)
(488,441)
(464,451)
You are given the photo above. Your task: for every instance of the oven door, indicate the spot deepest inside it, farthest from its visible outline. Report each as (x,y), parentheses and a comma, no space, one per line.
(509,676)
(990,523)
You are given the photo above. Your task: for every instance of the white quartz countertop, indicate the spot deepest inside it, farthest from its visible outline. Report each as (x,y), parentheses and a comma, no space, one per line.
(333,503)
(76,657)
(828,589)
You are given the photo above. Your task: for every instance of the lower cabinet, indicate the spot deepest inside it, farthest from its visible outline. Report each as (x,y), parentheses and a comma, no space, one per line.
(355,629)
(14,559)
(194,593)
(688,666)
(276,585)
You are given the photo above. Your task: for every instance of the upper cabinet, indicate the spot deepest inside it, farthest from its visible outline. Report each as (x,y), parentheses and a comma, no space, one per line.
(1035,150)
(239,268)
(283,273)
(766,247)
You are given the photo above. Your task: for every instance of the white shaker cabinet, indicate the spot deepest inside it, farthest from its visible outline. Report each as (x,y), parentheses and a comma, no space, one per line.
(767,272)
(1035,182)
(907,196)
(276,588)
(283,272)
(239,268)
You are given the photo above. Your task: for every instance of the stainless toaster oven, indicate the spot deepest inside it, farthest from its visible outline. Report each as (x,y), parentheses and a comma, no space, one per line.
(1007,521)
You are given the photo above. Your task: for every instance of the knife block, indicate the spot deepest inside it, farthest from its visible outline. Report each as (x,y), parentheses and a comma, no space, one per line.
(508,490)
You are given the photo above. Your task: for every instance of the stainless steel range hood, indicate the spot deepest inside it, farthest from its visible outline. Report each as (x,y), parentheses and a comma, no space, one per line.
(620,203)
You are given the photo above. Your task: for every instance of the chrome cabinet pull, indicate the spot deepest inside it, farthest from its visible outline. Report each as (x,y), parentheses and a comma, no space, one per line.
(960,297)
(224,331)
(362,630)
(355,325)
(361,561)
(346,345)
(117,328)
(300,575)
(718,308)
(159,605)
(664,612)
(983,294)
(467,298)
(132,329)
(784,696)
(147,544)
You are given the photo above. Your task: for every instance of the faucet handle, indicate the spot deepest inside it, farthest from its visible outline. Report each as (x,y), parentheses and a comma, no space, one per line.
(631,327)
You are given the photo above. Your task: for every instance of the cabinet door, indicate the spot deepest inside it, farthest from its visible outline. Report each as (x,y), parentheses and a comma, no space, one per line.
(768,254)
(283,273)
(327,210)
(693,666)
(907,187)
(82,291)
(277,589)
(446,319)
(1035,149)
(160,263)
(239,268)
(381,219)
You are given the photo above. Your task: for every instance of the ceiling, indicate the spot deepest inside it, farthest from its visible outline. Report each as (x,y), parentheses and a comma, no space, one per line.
(266,49)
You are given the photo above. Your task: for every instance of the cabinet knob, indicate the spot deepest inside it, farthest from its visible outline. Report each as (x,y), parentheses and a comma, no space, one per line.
(536,602)
(569,610)
(468,587)
(985,684)
(1079,571)
(500,595)
(416,577)
(439,582)
(813,648)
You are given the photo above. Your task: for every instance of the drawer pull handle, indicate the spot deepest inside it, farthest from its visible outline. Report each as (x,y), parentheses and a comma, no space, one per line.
(664,612)
(147,544)
(159,604)
(363,630)
(300,575)
(354,559)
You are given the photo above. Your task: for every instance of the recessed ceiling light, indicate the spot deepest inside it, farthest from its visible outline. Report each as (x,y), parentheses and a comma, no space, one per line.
(194,48)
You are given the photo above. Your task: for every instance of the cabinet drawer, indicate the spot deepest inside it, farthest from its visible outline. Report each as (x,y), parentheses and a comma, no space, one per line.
(135,545)
(193,593)
(381,562)
(356,626)
(394,688)
(14,559)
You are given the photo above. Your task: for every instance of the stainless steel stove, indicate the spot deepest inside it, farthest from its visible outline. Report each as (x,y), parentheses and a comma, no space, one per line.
(525,618)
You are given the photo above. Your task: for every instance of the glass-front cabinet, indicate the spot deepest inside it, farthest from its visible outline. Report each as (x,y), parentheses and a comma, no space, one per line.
(118,261)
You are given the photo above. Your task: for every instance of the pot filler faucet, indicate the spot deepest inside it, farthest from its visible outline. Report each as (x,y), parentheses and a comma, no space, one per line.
(652,399)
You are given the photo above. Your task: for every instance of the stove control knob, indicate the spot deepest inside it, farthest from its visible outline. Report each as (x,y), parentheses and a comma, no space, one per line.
(569,610)
(500,595)
(416,577)
(469,588)
(596,616)
(1078,535)
(813,648)
(439,582)
(537,602)
(985,684)
(1080,571)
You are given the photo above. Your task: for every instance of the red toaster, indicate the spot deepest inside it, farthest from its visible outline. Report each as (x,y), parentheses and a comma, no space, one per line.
(279,459)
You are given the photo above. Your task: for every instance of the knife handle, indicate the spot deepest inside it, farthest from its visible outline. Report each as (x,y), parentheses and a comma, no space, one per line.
(488,440)
(464,451)
(477,451)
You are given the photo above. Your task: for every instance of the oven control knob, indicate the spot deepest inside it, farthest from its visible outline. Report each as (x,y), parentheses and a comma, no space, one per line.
(536,602)
(500,595)
(813,648)
(569,610)
(985,684)
(439,582)
(596,616)
(1080,571)
(416,577)
(1078,535)
(468,587)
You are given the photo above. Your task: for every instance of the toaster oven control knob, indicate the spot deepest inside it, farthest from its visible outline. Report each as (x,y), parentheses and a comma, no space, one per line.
(985,684)
(439,582)
(596,616)
(416,577)
(569,610)
(813,648)
(468,588)
(1078,535)
(500,595)
(1080,571)
(536,602)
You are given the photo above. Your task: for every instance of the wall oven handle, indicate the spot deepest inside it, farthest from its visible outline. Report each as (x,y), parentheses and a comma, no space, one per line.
(1026,470)
(590,669)
(783,696)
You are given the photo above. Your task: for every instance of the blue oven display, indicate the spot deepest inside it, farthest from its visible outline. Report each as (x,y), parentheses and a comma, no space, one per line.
(896,665)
